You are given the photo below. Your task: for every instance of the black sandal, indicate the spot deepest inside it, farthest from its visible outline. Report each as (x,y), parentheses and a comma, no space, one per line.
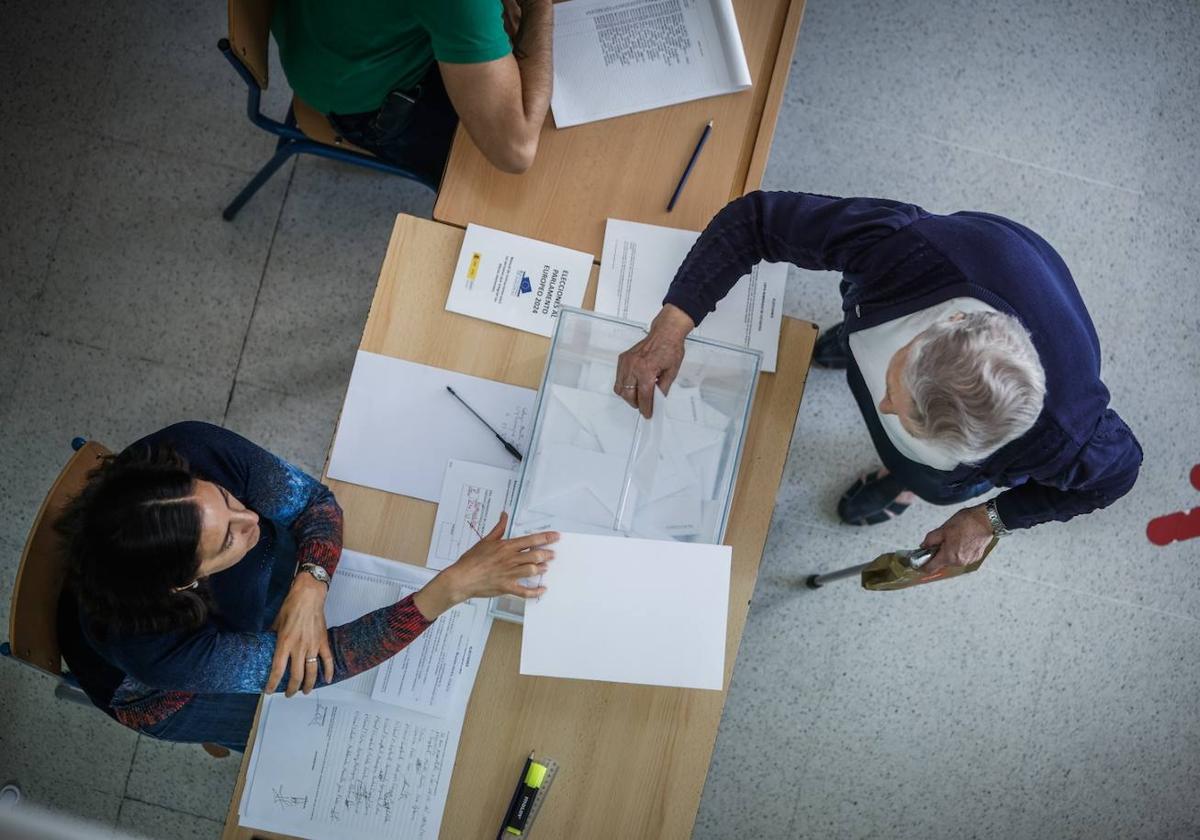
(830,349)
(873,498)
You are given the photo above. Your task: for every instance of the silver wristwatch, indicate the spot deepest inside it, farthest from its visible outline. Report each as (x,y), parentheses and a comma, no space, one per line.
(316,571)
(998,529)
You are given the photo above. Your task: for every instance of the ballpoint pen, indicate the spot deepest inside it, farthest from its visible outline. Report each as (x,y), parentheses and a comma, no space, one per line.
(691,163)
(512,450)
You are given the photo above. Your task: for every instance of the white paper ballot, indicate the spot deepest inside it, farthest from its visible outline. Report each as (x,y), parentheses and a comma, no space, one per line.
(434,674)
(340,767)
(473,497)
(400,426)
(601,469)
(614,57)
(516,281)
(630,610)
(637,266)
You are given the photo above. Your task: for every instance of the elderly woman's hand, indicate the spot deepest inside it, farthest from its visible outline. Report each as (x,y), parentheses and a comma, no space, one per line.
(302,640)
(961,541)
(654,360)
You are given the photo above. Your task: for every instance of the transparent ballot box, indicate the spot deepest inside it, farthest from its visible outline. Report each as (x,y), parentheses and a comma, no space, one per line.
(596,466)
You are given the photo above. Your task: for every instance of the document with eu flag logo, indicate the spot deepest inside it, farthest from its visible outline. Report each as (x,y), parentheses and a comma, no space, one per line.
(516,281)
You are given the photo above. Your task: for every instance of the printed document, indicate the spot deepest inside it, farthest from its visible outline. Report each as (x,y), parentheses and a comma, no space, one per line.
(636,269)
(473,497)
(339,763)
(434,674)
(516,281)
(614,57)
(630,610)
(400,425)
(329,766)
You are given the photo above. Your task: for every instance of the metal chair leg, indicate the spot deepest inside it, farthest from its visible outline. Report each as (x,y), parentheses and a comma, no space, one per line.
(283,151)
(817,581)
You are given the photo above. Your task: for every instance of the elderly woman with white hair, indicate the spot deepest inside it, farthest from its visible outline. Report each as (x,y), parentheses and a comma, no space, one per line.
(965,342)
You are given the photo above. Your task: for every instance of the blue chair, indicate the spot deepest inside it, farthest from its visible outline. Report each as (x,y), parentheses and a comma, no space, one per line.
(304,130)
(34,621)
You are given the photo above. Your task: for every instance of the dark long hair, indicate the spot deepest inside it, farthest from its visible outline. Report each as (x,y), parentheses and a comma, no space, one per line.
(131,539)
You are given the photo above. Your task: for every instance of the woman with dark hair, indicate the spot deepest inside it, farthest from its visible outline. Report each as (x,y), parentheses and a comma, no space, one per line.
(199,565)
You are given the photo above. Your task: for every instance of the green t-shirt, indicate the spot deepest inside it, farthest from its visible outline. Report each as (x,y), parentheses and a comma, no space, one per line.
(345,57)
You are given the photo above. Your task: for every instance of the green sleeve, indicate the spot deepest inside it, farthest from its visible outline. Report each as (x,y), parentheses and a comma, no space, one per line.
(465,31)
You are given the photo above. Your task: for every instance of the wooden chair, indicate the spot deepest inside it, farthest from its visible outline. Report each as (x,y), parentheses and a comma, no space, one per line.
(33,621)
(304,130)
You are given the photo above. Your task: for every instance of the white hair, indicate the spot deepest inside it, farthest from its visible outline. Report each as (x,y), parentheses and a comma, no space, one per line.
(976,384)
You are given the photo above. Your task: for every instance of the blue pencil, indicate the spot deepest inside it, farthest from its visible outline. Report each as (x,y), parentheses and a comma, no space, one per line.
(683,178)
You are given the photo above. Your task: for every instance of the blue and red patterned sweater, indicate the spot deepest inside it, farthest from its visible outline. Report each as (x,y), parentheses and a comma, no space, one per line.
(232,651)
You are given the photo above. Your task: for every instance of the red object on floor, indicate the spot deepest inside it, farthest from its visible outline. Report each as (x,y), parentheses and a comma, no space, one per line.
(1179,526)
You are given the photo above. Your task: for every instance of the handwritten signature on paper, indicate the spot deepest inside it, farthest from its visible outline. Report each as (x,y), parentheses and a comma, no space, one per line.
(285,802)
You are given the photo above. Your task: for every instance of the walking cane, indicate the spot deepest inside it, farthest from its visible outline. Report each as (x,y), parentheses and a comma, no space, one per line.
(898,570)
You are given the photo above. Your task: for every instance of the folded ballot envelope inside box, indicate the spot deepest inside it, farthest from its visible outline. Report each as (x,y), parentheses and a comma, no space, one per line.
(596,466)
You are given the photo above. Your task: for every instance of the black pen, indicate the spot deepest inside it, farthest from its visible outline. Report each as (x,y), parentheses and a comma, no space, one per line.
(512,450)
(688,171)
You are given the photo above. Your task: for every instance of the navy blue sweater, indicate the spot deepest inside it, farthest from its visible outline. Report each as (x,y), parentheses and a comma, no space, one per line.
(896,259)
(150,677)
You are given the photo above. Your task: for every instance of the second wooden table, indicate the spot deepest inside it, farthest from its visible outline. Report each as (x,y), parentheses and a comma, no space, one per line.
(627,167)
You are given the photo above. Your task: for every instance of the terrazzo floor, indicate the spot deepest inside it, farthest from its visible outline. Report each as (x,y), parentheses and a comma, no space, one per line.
(1053,695)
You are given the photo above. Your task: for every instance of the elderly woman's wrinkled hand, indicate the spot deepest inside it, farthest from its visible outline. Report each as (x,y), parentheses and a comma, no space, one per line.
(654,361)
(960,541)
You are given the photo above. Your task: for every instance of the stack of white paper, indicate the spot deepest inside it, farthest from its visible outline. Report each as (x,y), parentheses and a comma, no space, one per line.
(614,57)
(628,610)
(516,281)
(400,425)
(637,266)
(371,756)
(339,767)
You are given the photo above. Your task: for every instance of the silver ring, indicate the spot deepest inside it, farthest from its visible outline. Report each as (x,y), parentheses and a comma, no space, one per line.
(632,387)
(311,659)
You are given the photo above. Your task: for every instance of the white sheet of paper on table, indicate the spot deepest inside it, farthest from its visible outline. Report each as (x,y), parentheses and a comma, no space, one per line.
(516,281)
(472,499)
(639,262)
(327,766)
(614,57)
(399,426)
(631,610)
(340,763)
(434,674)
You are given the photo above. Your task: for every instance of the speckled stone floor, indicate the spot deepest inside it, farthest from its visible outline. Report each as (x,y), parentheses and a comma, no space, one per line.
(1051,696)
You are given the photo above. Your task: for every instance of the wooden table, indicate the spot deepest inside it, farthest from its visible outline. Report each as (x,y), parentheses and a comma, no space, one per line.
(633,758)
(627,168)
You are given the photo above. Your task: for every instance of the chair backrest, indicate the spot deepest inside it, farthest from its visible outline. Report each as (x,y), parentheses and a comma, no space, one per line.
(249,35)
(32,623)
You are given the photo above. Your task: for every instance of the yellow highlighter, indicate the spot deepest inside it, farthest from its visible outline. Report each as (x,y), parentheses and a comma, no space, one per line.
(522,802)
